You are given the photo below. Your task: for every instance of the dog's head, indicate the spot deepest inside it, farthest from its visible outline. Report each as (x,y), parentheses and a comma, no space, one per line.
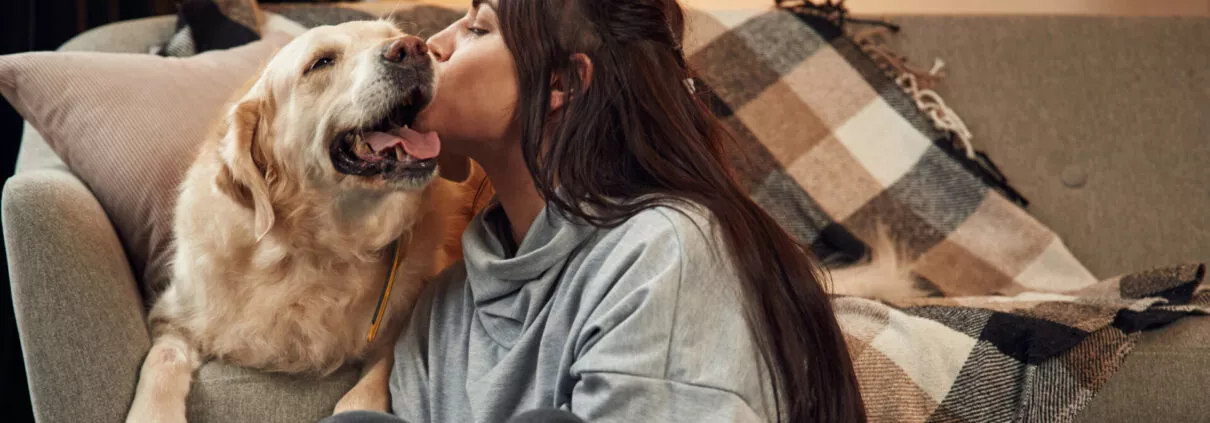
(331,110)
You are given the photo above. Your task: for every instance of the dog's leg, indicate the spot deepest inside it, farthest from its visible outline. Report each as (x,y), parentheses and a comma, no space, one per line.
(164,381)
(372,391)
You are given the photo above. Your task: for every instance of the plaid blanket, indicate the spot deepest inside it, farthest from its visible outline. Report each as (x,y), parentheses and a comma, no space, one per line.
(837,142)
(836,145)
(833,141)
(1034,357)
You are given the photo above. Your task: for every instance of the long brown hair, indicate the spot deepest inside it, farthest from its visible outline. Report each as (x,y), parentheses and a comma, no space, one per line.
(638,132)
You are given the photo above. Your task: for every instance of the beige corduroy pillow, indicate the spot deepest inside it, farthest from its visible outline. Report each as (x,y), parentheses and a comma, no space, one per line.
(129,125)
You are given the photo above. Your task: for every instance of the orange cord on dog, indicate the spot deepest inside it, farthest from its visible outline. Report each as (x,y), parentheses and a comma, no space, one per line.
(376,322)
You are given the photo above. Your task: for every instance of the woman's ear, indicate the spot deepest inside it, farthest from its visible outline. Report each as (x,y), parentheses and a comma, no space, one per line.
(239,152)
(560,90)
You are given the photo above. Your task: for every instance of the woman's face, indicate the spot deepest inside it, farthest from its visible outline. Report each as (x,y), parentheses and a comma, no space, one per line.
(473,111)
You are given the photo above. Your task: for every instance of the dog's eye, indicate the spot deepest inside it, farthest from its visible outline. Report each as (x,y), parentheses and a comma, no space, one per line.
(321,63)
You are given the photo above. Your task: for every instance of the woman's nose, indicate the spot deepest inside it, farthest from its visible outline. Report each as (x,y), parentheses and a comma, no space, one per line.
(437,51)
(439,44)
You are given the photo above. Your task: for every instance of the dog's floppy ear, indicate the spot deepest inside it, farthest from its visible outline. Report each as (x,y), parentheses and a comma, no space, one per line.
(240,154)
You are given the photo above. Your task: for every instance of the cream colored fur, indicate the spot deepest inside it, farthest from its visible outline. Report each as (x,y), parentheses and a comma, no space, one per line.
(280,260)
(887,276)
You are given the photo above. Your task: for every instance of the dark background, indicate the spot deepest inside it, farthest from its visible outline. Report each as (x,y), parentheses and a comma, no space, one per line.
(30,25)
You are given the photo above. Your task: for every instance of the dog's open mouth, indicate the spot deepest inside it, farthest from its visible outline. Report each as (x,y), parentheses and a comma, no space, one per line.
(389,147)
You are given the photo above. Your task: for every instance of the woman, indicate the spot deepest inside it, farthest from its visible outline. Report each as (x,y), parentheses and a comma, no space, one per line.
(622,274)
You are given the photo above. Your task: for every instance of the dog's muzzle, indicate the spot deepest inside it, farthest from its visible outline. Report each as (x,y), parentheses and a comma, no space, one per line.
(389,147)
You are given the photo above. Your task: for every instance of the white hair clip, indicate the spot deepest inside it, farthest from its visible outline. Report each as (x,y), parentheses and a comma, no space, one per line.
(689,85)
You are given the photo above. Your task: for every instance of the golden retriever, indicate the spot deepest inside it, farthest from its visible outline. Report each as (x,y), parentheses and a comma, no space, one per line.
(287,222)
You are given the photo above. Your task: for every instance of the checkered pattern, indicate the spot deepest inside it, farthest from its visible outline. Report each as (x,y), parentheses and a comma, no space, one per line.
(834,141)
(828,141)
(1028,358)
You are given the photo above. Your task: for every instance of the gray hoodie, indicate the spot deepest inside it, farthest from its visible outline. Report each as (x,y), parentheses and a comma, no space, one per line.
(638,323)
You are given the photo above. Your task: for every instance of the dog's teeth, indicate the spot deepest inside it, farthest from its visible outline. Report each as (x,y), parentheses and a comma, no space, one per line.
(399,152)
(361,148)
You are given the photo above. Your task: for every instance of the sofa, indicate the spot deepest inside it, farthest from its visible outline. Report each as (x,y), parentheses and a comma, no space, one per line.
(1097,121)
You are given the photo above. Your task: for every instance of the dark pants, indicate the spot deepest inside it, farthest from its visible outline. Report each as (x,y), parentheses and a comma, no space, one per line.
(362,417)
(546,415)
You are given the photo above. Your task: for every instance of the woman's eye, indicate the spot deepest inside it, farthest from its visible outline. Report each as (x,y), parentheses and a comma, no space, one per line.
(477,31)
(321,63)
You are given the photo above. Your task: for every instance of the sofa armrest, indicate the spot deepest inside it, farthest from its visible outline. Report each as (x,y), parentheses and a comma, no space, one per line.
(79,313)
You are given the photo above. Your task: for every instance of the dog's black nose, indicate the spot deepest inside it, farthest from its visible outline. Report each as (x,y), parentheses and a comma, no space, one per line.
(399,50)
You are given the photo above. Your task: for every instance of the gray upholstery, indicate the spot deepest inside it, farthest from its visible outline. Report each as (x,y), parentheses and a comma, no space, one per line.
(1037,94)
(1117,102)
(225,393)
(131,36)
(35,153)
(1163,379)
(78,310)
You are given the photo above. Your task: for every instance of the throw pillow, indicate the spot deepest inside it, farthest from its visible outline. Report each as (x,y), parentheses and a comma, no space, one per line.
(128,125)
(834,141)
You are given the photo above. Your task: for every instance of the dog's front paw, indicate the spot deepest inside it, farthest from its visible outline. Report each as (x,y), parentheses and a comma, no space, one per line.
(361,398)
(144,414)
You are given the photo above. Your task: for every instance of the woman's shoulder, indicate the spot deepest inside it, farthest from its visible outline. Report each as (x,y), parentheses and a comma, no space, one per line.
(687,221)
(679,237)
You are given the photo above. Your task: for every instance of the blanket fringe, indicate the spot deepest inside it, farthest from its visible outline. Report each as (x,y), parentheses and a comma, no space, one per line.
(917,83)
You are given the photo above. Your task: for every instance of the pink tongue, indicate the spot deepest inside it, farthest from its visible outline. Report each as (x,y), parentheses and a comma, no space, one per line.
(418,145)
